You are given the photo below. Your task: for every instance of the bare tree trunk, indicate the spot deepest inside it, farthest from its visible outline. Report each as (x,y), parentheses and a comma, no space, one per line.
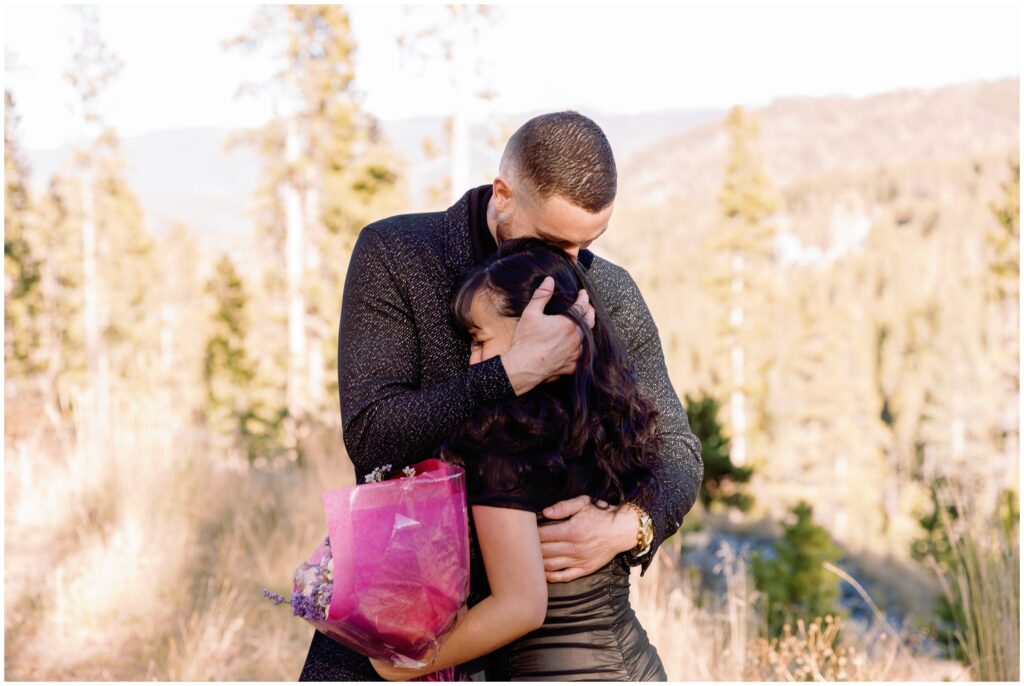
(294,256)
(96,356)
(314,358)
(167,365)
(738,444)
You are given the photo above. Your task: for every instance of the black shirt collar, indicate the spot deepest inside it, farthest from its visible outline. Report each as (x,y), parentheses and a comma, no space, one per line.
(482,241)
(480,234)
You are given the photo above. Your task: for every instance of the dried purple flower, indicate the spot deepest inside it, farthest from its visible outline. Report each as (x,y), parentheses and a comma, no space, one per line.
(304,607)
(276,597)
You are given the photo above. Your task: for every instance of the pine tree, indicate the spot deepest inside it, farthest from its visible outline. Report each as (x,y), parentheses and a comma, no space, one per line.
(823,405)
(326,174)
(794,581)
(1003,239)
(120,327)
(127,259)
(962,396)
(92,68)
(722,479)
(741,247)
(236,421)
(57,234)
(22,288)
(1002,334)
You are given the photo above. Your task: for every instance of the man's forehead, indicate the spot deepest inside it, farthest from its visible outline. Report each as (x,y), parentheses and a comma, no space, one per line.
(558,217)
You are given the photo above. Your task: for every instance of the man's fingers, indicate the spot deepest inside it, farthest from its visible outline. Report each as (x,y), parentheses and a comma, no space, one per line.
(564,575)
(549,533)
(566,508)
(558,563)
(541,296)
(582,302)
(558,549)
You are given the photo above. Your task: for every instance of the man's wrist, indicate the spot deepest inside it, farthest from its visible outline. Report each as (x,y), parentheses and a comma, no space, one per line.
(644,532)
(627,541)
(518,374)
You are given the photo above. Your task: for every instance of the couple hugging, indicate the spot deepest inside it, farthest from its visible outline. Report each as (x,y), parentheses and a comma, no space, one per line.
(489,336)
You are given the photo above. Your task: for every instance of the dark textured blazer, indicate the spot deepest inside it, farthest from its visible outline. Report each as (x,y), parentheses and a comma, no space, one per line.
(405,381)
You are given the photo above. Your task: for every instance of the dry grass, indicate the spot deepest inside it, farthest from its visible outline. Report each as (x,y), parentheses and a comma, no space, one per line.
(708,638)
(986,582)
(145,559)
(696,643)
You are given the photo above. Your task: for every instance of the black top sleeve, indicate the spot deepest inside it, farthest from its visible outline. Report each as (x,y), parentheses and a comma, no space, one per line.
(498,482)
(387,417)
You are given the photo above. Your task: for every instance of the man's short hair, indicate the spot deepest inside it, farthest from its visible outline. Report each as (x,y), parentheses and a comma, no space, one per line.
(564,154)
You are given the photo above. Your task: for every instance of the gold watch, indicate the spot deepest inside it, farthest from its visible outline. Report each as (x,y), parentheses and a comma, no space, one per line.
(645,534)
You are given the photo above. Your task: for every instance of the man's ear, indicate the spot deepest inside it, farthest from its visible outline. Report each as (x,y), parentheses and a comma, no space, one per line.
(502,192)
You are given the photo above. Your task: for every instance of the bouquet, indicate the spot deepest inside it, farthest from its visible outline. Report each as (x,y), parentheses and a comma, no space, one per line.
(392,574)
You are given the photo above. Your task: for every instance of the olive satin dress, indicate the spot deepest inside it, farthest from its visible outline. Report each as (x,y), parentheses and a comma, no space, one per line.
(590,632)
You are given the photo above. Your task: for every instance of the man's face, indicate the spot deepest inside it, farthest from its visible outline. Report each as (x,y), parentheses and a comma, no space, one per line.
(557,220)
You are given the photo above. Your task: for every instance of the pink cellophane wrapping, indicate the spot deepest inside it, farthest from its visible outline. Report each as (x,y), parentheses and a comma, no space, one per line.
(401,563)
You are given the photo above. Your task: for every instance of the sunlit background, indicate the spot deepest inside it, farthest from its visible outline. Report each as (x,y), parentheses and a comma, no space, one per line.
(820,203)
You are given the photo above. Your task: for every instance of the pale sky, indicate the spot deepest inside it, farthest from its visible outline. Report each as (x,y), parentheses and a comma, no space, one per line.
(612,58)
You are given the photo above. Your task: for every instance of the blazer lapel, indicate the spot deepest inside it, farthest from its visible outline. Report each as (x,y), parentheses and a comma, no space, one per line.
(455,239)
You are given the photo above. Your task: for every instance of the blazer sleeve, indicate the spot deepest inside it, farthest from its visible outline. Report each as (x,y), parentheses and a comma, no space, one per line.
(387,417)
(680,466)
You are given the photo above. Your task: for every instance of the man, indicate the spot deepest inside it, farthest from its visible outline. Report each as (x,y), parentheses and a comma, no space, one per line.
(403,365)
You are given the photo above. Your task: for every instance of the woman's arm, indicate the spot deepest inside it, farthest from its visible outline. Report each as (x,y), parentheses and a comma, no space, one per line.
(519,593)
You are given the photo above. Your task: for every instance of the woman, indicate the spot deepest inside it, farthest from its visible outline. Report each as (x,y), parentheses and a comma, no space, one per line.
(586,433)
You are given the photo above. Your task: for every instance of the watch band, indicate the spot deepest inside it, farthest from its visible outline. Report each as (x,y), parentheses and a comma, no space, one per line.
(644,534)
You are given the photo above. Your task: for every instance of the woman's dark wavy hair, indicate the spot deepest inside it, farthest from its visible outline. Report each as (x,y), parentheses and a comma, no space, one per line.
(595,416)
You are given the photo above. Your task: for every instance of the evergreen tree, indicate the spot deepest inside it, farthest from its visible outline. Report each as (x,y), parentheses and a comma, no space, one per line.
(57,235)
(741,248)
(1003,239)
(1002,333)
(933,546)
(22,288)
(794,582)
(127,260)
(1008,513)
(722,479)
(823,406)
(326,174)
(236,422)
(93,66)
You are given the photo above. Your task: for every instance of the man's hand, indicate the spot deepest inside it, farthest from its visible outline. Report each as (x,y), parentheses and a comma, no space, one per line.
(545,346)
(587,540)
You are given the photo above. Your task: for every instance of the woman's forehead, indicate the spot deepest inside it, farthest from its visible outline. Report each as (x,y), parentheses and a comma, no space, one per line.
(484,310)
